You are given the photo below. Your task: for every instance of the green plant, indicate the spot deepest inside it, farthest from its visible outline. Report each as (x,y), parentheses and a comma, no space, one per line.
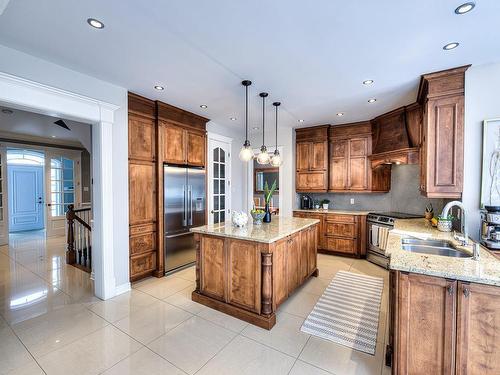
(325,201)
(429,208)
(268,193)
(446,218)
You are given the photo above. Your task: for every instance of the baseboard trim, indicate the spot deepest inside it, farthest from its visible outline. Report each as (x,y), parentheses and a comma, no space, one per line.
(124,288)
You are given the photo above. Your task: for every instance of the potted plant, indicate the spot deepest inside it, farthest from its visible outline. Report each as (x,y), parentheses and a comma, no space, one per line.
(444,223)
(325,203)
(316,204)
(268,194)
(429,211)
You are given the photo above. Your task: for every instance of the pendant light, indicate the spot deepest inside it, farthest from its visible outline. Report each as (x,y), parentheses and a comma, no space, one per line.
(246,152)
(263,157)
(276,157)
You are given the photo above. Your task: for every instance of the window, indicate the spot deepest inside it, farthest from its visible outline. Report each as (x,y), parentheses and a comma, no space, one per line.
(17,156)
(62,189)
(219,185)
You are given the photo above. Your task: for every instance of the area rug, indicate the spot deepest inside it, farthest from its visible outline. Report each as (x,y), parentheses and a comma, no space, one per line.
(348,311)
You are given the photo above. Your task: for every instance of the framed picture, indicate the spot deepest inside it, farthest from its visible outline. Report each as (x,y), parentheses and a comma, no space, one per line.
(490,181)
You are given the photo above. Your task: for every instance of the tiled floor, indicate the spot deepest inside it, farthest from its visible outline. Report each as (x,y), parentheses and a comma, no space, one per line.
(51,323)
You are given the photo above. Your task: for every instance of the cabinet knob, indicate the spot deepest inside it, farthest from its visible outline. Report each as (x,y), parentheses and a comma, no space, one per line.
(466,292)
(450,289)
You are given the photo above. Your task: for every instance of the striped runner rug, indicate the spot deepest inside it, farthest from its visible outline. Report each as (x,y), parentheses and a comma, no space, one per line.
(348,311)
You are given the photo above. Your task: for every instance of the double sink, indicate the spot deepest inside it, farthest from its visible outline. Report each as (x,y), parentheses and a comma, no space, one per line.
(433,247)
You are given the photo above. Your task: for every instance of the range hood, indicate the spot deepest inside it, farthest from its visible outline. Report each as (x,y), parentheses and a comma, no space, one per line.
(396,137)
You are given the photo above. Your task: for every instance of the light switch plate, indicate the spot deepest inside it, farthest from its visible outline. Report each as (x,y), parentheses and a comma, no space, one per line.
(352,200)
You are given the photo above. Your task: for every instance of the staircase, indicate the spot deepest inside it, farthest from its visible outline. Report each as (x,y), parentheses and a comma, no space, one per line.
(79,248)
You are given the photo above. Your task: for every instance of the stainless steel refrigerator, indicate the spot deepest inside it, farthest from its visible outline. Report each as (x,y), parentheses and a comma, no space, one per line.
(184,208)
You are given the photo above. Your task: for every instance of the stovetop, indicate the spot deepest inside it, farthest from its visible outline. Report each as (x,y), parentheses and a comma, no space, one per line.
(396,215)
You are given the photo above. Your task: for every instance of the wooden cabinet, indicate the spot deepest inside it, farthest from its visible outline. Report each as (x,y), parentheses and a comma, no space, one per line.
(212,266)
(442,153)
(312,159)
(478,329)
(441,326)
(293,260)
(349,166)
(183,146)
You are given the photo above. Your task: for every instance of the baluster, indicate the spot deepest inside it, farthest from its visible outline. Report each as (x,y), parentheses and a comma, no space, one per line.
(70,253)
(85,249)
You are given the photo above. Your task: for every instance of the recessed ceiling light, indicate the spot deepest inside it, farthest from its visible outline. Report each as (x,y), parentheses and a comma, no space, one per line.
(233,118)
(255,128)
(452,45)
(159,88)
(7,111)
(465,8)
(95,23)
(372,100)
(368,82)
(301,120)
(53,136)
(203,106)
(340,114)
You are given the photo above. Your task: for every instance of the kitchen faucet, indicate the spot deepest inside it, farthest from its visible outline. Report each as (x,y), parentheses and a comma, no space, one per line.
(465,239)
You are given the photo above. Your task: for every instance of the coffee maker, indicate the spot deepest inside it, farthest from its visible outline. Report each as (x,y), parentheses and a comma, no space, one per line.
(306,202)
(490,227)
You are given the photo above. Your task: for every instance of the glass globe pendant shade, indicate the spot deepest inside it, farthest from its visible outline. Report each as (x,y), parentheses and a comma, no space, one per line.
(263,156)
(246,152)
(276,159)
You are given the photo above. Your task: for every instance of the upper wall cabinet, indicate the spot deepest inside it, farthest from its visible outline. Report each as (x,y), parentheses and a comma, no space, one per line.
(312,159)
(183,135)
(442,154)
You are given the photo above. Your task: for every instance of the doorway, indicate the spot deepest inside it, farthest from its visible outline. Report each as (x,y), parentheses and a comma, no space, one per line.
(219,178)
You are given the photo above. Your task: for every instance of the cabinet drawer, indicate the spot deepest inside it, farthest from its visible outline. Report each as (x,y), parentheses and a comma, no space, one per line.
(340,218)
(341,245)
(142,263)
(140,229)
(340,229)
(142,243)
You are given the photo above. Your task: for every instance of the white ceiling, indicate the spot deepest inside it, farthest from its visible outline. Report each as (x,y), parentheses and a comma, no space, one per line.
(31,124)
(310,55)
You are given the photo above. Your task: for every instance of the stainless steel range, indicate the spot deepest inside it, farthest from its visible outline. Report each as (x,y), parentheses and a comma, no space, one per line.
(378,225)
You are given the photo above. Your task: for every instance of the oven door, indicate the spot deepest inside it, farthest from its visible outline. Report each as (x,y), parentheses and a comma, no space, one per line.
(374,237)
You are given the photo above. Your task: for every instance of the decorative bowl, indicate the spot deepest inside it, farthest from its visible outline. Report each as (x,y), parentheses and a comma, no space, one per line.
(444,225)
(257,217)
(239,219)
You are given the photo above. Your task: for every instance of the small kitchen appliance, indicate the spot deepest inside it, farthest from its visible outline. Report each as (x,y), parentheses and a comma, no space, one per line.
(306,202)
(490,227)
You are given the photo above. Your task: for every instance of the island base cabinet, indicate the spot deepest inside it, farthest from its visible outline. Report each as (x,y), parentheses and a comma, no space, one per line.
(248,279)
(441,326)
(478,329)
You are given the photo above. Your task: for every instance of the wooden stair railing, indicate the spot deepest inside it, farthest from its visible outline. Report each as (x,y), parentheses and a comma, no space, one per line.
(79,249)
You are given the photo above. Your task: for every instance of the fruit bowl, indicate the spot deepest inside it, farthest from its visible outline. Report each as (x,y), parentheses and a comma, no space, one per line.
(257,216)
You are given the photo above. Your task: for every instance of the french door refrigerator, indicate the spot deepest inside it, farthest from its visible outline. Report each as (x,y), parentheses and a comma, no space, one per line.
(184,208)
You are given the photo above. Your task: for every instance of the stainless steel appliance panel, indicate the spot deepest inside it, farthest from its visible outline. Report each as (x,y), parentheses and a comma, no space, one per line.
(175,199)
(196,205)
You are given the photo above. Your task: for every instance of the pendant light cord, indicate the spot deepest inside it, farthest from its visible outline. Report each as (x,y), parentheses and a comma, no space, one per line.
(263,120)
(246,114)
(276,128)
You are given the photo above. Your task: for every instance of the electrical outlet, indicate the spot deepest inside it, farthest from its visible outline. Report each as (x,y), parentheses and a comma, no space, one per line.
(352,200)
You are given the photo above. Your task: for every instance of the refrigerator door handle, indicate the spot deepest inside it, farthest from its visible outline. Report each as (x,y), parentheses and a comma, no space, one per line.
(177,235)
(184,214)
(190,202)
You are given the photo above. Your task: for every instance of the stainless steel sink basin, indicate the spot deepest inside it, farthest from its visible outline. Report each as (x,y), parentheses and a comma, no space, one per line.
(433,247)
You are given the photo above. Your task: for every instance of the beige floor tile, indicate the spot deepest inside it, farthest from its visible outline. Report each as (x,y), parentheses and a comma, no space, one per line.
(315,285)
(364,267)
(30,368)
(285,336)
(149,323)
(74,282)
(340,359)
(57,328)
(247,357)
(192,344)
(302,368)
(163,287)
(123,305)
(329,270)
(300,304)
(223,320)
(144,362)
(13,354)
(91,354)
(183,300)
(187,273)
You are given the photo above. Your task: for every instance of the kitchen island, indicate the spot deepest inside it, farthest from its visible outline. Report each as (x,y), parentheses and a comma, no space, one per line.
(248,272)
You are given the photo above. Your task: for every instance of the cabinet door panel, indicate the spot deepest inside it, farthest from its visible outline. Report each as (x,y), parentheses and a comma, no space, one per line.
(293,261)
(312,249)
(175,145)
(341,229)
(304,254)
(142,193)
(212,267)
(339,149)
(244,275)
(341,245)
(358,147)
(478,331)
(280,279)
(338,174)
(141,138)
(426,316)
(303,155)
(319,157)
(358,173)
(311,181)
(196,149)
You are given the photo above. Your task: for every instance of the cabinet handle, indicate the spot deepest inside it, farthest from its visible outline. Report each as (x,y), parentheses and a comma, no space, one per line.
(450,289)
(466,292)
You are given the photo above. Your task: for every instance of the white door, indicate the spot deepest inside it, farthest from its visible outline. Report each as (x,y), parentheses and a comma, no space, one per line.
(219,178)
(63,173)
(4,217)
(25,197)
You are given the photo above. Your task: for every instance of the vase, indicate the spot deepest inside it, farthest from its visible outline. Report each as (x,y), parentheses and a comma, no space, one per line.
(267,216)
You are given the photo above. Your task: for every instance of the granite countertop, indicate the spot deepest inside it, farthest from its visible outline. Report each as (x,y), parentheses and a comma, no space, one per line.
(485,270)
(278,228)
(333,211)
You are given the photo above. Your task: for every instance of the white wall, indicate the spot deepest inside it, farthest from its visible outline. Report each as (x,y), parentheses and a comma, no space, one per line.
(26,66)
(482,102)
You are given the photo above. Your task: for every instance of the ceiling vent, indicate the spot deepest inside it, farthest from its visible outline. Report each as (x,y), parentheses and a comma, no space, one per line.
(62,124)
